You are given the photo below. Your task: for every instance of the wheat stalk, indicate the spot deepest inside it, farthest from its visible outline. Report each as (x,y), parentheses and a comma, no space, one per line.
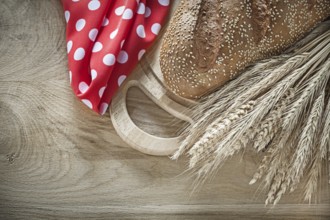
(305,95)
(279,157)
(262,168)
(305,145)
(271,124)
(280,171)
(325,136)
(278,183)
(320,155)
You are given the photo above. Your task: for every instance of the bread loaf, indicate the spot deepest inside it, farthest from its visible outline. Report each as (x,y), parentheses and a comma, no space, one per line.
(208,42)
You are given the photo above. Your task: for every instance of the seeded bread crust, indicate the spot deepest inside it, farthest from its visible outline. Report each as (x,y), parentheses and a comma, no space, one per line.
(209,42)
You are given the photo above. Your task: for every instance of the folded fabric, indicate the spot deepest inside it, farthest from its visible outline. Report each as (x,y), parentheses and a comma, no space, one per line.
(105,40)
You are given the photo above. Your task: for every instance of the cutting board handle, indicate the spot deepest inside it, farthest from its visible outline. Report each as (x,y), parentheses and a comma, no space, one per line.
(129,131)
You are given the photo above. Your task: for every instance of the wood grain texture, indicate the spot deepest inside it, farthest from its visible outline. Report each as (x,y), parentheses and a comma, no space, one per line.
(59,160)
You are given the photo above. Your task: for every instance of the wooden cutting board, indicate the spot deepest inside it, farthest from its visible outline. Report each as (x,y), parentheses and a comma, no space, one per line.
(148,77)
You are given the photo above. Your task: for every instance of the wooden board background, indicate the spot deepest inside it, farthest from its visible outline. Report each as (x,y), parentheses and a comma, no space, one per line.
(59,160)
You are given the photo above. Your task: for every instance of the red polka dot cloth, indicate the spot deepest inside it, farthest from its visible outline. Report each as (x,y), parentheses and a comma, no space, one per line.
(105,41)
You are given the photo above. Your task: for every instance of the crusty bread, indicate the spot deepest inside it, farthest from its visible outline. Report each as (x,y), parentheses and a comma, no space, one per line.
(208,42)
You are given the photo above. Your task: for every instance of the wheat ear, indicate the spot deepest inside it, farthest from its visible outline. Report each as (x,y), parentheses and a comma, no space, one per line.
(267,129)
(206,145)
(306,142)
(265,133)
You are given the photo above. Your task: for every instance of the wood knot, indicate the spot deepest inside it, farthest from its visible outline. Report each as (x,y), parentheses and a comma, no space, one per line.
(11,157)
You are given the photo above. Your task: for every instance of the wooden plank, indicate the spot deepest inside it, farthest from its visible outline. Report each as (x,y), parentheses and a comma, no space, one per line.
(174,212)
(58,159)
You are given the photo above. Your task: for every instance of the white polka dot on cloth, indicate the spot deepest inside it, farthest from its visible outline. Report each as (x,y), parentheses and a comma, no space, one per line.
(103,108)
(92,34)
(67,16)
(83,87)
(101,91)
(147,13)
(120,10)
(164,2)
(88,103)
(121,79)
(122,57)
(141,53)
(94,5)
(114,34)
(69,46)
(97,47)
(105,22)
(109,59)
(79,54)
(155,28)
(128,14)
(80,24)
(140,31)
(93,74)
(122,43)
(142,9)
